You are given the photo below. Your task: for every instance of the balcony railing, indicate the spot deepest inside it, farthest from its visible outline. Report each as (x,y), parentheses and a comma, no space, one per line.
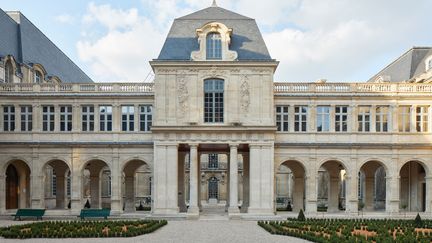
(279,88)
(82,88)
(286,88)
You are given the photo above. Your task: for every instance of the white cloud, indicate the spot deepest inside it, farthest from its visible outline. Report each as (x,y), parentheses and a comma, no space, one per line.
(65,19)
(336,39)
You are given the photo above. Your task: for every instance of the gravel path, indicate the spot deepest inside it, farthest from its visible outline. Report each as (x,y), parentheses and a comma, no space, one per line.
(217,231)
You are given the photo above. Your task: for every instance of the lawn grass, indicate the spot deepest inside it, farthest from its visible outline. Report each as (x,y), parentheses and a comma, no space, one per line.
(81,229)
(353,230)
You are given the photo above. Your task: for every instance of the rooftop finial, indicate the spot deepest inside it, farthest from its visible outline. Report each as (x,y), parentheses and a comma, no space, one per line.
(214,3)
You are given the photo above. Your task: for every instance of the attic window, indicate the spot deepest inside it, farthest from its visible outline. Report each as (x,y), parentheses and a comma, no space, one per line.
(37,77)
(214,46)
(8,72)
(429,63)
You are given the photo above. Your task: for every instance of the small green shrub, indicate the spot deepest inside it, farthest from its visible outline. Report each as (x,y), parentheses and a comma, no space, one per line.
(301,216)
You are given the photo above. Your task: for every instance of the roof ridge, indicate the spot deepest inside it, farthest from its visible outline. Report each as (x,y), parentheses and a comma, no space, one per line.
(196,14)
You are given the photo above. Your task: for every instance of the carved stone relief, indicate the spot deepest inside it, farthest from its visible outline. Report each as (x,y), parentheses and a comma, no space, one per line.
(182,95)
(244,94)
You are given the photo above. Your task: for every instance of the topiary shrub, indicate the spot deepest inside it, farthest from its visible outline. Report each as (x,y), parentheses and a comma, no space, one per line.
(418,221)
(301,216)
(87,204)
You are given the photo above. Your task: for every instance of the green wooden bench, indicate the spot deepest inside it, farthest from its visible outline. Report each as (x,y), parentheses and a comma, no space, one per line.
(95,213)
(29,212)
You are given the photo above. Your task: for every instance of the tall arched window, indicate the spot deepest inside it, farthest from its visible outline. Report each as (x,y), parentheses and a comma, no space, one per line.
(214,46)
(8,72)
(213,100)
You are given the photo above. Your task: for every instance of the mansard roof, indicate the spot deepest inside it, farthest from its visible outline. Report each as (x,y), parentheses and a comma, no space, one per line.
(29,45)
(246,39)
(408,66)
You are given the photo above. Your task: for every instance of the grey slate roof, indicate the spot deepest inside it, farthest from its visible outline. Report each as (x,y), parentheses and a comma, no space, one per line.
(246,38)
(21,39)
(407,66)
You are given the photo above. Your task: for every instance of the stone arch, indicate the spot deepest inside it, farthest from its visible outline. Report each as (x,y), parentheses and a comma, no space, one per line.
(291,185)
(56,183)
(17,184)
(96,186)
(331,193)
(372,184)
(132,192)
(413,185)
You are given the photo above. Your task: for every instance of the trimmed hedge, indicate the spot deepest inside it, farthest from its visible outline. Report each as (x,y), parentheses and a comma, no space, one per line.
(81,229)
(352,230)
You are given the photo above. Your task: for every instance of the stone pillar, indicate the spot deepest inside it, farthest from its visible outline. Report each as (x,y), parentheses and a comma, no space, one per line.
(165,178)
(60,196)
(116,183)
(194,180)
(76,184)
(36,184)
(94,189)
(393,194)
(76,118)
(369,192)
(413,118)
(428,195)
(298,194)
(129,193)
(245,183)
(233,182)
(333,197)
(351,193)
(311,191)
(2,192)
(17,118)
(181,182)
(373,118)
(261,196)
(56,118)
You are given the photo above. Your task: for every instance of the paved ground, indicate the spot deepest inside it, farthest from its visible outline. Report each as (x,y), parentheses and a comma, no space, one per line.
(217,231)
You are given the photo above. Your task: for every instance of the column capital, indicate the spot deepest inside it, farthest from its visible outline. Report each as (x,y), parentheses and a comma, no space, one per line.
(193,145)
(233,145)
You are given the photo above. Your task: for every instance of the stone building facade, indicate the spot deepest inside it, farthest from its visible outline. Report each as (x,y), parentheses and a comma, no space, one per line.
(214,128)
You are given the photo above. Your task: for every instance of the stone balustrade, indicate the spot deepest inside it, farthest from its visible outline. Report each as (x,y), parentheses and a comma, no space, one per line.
(279,88)
(82,88)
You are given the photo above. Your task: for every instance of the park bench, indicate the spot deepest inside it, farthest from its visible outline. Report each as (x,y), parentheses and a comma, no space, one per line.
(94,213)
(29,212)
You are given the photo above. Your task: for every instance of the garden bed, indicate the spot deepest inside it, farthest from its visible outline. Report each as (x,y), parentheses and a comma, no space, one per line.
(81,229)
(350,230)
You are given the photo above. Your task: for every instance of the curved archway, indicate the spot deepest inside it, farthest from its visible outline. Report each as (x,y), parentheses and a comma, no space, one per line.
(96,176)
(372,185)
(331,186)
(413,186)
(17,185)
(56,184)
(136,186)
(290,186)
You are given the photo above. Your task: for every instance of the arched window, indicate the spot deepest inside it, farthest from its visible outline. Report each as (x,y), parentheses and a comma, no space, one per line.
(38,77)
(214,46)
(8,72)
(213,100)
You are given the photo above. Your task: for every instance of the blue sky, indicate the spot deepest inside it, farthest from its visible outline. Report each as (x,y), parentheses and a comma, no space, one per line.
(338,40)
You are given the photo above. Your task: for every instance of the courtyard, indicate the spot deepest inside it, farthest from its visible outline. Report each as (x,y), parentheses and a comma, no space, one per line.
(206,230)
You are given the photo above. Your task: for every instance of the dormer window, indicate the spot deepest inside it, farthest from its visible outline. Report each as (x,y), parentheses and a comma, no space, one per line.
(214,40)
(8,72)
(214,46)
(38,77)
(429,63)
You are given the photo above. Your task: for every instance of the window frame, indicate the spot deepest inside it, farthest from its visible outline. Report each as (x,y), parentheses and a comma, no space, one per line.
(128,124)
(422,118)
(301,118)
(87,118)
(66,113)
(9,118)
(323,118)
(364,124)
(26,118)
(105,118)
(48,118)
(145,117)
(404,118)
(214,46)
(214,101)
(382,118)
(341,118)
(282,118)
